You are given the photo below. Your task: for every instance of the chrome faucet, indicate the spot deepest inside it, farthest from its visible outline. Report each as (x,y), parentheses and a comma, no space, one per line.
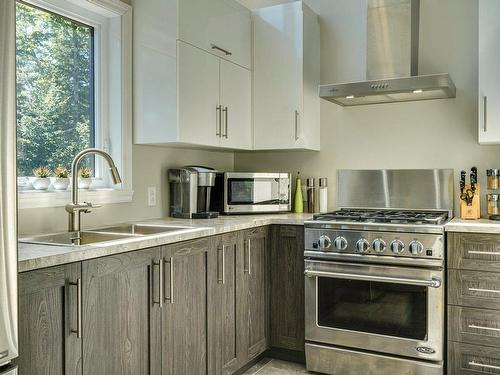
(75,208)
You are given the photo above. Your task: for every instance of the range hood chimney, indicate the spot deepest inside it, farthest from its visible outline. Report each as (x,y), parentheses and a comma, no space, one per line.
(392,61)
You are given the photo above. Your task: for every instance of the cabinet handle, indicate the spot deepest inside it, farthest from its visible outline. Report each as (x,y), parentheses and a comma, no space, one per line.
(485,328)
(485,114)
(226,111)
(297,115)
(224,51)
(159,264)
(248,257)
(222,278)
(78,330)
(484,290)
(473,363)
(218,120)
(484,252)
(170,298)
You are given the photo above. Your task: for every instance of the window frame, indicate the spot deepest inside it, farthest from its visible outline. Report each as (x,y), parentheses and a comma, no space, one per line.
(112,23)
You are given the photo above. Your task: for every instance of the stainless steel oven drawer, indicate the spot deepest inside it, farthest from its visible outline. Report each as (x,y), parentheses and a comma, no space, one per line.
(474,251)
(474,326)
(466,359)
(339,361)
(474,289)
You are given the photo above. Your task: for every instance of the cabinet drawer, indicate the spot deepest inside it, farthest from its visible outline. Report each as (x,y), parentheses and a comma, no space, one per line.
(465,359)
(474,326)
(474,251)
(474,289)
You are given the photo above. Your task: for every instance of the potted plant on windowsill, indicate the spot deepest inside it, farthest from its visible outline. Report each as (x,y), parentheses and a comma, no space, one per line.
(85,179)
(41,180)
(61,180)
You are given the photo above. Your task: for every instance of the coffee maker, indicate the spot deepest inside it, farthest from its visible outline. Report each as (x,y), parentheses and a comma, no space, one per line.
(190,192)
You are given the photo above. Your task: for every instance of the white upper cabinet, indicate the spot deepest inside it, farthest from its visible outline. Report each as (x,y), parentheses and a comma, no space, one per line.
(286,66)
(223,27)
(489,71)
(185,91)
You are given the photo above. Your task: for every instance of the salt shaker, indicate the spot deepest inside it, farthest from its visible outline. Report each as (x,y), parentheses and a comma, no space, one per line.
(323,195)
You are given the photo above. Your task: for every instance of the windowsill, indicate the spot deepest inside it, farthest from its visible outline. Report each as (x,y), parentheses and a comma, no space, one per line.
(41,199)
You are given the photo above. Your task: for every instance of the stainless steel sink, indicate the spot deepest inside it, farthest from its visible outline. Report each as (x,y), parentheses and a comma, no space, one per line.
(140,229)
(75,238)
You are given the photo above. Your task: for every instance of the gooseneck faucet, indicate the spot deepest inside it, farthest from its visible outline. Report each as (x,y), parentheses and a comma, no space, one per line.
(75,208)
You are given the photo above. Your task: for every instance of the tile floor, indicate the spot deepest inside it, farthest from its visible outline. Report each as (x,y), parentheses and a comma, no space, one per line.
(269,366)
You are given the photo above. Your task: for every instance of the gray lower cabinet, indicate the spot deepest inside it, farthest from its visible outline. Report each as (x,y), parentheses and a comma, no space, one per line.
(121,314)
(474,304)
(48,321)
(287,287)
(254,306)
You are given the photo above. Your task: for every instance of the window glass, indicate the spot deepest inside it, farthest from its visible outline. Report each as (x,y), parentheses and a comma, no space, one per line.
(55,89)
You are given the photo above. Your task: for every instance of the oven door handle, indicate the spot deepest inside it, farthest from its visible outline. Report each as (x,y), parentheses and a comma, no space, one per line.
(433,283)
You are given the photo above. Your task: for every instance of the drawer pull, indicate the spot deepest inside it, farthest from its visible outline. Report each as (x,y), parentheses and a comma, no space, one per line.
(485,328)
(472,363)
(477,252)
(484,290)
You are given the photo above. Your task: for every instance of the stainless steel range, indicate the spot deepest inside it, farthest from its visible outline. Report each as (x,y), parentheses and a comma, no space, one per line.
(374,275)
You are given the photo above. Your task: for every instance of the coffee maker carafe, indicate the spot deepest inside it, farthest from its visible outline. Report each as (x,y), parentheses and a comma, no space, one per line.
(190,192)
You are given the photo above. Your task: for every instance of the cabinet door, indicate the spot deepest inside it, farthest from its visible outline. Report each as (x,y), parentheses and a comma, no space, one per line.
(489,74)
(278,66)
(48,321)
(225,339)
(287,287)
(185,312)
(236,100)
(217,26)
(121,321)
(198,95)
(255,293)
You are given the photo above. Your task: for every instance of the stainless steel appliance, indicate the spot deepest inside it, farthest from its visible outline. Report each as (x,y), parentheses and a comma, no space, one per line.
(374,275)
(392,61)
(190,192)
(256,192)
(8,222)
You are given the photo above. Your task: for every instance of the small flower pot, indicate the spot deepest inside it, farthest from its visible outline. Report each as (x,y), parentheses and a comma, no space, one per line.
(60,183)
(84,183)
(40,183)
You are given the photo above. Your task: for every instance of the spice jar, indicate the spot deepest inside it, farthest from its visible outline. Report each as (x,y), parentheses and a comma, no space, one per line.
(493,204)
(493,178)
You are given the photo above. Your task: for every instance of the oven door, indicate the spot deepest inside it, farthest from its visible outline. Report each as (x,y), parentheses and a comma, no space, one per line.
(387,309)
(256,192)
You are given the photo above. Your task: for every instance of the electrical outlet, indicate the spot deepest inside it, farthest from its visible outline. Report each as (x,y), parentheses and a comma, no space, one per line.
(152,196)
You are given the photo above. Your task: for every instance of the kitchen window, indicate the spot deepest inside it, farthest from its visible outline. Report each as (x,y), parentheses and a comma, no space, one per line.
(73,92)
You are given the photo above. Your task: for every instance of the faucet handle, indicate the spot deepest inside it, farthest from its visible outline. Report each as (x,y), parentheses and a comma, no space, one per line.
(90,207)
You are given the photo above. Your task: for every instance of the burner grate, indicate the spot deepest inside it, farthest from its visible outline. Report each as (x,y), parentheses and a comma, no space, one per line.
(384,216)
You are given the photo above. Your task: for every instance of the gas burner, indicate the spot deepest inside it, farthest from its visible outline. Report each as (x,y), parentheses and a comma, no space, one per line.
(384,216)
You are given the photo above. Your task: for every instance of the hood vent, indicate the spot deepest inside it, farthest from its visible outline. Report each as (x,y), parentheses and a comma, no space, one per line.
(392,61)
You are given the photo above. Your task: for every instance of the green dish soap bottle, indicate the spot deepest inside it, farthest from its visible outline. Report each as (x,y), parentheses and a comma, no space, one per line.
(298,206)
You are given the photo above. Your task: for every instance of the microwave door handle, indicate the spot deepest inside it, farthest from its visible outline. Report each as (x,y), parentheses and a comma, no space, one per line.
(432,283)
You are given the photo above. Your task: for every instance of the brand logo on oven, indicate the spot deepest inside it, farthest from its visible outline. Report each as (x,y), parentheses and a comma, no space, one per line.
(425,350)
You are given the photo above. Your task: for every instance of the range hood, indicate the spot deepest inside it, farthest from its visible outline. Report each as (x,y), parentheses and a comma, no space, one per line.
(392,61)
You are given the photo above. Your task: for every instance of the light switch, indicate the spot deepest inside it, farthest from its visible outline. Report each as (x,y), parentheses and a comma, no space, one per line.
(152,196)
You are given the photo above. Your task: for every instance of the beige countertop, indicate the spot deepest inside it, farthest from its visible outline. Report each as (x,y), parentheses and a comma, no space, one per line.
(35,256)
(473,226)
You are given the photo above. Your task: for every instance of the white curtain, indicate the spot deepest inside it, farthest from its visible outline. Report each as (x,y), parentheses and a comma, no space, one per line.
(8,196)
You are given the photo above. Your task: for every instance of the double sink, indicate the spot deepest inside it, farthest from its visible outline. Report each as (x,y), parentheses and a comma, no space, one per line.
(97,236)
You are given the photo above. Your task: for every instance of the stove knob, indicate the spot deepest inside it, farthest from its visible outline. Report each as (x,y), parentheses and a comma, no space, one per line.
(378,245)
(362,246)
(397,246)
(416,247)
(324,242)
(340,243)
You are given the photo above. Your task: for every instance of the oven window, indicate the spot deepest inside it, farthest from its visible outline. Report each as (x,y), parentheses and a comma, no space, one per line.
(249,191)
(380,308)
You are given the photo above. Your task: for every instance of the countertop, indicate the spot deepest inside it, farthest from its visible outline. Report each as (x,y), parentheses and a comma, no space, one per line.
(35,256)
(473,226)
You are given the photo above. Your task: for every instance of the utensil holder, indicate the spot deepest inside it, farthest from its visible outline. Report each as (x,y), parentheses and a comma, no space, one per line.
(471,211)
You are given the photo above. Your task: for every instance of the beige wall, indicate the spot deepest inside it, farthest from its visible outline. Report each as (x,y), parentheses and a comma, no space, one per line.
(433,134)
(149,169)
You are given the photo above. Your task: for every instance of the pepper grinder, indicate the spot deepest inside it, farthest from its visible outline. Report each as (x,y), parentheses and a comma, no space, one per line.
(323,195)
(310,195)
